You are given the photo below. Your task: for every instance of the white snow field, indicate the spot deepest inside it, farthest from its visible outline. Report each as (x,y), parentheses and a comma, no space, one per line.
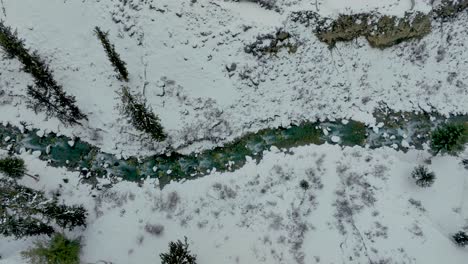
(358,206)
(177,53)
(361,206)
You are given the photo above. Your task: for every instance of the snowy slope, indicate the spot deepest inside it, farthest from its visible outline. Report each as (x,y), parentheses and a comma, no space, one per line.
(177,53)
(361,207)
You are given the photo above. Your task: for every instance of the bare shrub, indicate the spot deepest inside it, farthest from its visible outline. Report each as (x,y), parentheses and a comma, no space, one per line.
(225,192)
(172,201)
(314,179)
(154,229)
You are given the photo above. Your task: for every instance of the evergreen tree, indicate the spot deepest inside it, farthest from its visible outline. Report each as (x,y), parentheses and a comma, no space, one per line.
(141,117)
(26,212)
(12,167)
(422,176)
(178,254)
(449,138)
(113,56)
(47,95)
(461,238)
(66,216)
(59,250)
(21,227)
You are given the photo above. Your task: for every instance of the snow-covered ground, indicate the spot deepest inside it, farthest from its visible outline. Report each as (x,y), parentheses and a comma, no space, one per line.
(361,206)
(177,53)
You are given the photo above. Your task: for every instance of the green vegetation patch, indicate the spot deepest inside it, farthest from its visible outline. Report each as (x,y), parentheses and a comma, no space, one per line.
(449,138)
(381,31)
(59,250)
(12,167)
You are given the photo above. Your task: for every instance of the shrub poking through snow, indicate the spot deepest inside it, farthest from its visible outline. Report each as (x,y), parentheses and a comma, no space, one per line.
(304,184)
(449,138)
(155,230)
(46,94)
(58,250)
(141,116)
(422,176)
(27,212)
(465,163)
(113,56)
(12,167)
(178,254)
(461,239)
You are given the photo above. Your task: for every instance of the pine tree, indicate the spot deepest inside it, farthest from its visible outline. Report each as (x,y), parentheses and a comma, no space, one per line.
(422,176)
(461,238)
(178,254)
(113,56)
(141,117)
(46,93)
(20,227)
(449,138)
(12,167)
(66,216)
(59,250)
(26,212)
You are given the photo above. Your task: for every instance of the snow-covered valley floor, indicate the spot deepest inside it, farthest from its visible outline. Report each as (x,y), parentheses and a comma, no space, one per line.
(178,54)
(361,206)
(189,60)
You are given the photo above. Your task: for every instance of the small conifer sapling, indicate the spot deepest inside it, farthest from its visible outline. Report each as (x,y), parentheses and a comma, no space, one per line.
(449,138)
(422,176)
(12,167)
(461,239)
(178,254)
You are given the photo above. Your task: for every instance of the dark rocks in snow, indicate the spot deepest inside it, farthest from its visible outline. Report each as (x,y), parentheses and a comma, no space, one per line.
(272,44)
(449,8)
(267,4)
(232,67)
